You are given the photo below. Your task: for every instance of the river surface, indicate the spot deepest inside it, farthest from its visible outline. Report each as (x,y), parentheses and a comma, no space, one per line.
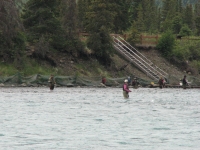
(99,119)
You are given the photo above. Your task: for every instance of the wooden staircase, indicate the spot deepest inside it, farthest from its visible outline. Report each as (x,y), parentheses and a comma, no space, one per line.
(136,58)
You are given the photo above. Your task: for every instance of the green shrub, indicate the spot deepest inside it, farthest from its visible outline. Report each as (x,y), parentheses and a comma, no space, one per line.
(185,31)
(166,44)
(181,52)
(196,64)
(194,51)
(187,50)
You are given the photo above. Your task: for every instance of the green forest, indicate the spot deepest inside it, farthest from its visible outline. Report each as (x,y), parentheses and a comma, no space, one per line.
(52,26)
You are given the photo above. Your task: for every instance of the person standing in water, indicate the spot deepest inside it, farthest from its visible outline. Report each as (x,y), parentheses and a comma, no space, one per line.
(126,89)
(103,80)
(51,82)
(135,83)
(185,82)
(129,80)
(161,82)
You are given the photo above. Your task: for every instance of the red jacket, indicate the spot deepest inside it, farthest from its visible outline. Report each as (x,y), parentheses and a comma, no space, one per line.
(104,80)
(125,88)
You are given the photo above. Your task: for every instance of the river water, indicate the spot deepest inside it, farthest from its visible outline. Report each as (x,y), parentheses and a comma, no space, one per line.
(99,119)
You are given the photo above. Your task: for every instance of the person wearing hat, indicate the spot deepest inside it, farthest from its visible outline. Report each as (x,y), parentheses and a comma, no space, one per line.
(126,89)
(184,82)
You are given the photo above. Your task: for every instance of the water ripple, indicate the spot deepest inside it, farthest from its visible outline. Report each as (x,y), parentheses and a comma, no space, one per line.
(99,118)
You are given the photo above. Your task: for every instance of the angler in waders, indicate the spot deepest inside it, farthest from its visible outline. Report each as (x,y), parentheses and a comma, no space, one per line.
(185,82)
(126,89)
(161,82)
(135,83)
(51,82)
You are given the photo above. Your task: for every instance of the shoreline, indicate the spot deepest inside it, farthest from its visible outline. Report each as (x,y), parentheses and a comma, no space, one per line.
(95,86)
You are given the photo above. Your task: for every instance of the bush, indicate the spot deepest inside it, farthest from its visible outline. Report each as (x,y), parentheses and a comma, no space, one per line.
(185,31)
(181,52)
(166,44)
(187,50)
(196,64)
(194,51)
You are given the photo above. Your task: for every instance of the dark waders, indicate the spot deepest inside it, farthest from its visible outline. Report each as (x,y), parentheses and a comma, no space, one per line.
(51,86)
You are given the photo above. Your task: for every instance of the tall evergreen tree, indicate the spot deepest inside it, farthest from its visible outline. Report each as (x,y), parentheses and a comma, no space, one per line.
(140,24)
(121,21)
(197,9)
(168,13)
(81,14)
(133,9)
(150,11)
(155,17)
(197,17)
(179,6)
(165,9)
(188,17)
(41,20)
(12,37)
(69,22)
(100,18)
(83,6)
(69,17)
(197,21)
(177,24)
(159,19)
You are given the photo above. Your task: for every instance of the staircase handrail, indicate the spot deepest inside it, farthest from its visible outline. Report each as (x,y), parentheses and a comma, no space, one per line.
(150,67)
(166,74)
(141,67)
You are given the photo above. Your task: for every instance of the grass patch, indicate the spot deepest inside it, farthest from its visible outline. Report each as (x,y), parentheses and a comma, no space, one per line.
(30,67)
(7,69)
(187,50)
